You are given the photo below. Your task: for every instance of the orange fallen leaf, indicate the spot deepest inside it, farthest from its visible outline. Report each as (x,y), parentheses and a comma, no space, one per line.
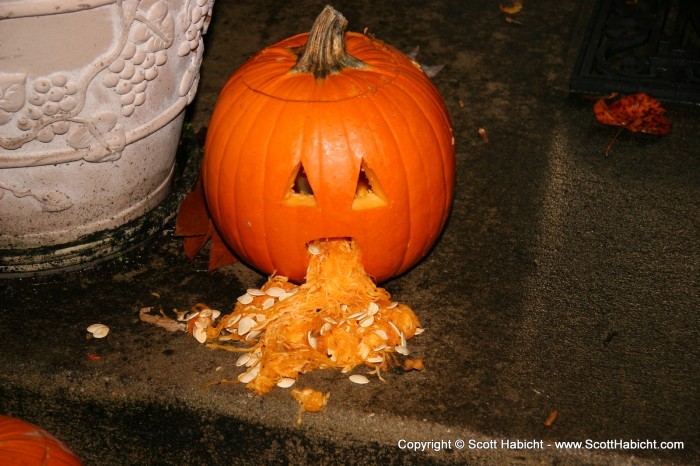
(511,8)
(638,113)
(309,400)
(219,254)
(196,228)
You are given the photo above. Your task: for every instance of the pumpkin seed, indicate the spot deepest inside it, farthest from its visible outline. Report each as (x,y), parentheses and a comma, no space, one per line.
(286,382)
(233,321)
(250,374)
(372,309)
(367,321)
(98,330)
(375,359)
(419,330)
(392,305)
(396,329)
(382,334)
(253,335)
(269,302)
(330,320)
(358,315)
(245,324)
(359,379)
(363,351)
(255,292)
(200,334)
(252,360)
(312,340)
(245,299)
(401,349)
(275,291)
(314,249)
(200,325)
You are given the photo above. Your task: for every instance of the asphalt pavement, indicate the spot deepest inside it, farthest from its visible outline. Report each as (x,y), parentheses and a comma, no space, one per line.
(559,305)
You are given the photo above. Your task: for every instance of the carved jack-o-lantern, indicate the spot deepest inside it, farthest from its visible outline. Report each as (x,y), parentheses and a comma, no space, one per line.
(329,135)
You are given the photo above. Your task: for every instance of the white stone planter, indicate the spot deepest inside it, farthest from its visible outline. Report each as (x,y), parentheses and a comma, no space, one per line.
(92,99)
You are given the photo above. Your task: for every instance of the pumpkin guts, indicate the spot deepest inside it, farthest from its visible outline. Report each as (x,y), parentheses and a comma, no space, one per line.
(338,319)
(329,161)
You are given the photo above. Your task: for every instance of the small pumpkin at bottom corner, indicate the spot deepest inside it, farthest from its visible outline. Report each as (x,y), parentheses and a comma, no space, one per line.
(329,135)
(22,443)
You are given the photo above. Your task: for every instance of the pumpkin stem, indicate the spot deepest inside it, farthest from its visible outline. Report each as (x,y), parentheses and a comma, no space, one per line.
(324,53)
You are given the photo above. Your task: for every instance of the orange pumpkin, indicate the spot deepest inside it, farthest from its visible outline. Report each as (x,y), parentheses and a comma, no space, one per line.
(22,443)
(329,135)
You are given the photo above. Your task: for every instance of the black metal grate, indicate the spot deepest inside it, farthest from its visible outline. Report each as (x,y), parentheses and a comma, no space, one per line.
(650,46)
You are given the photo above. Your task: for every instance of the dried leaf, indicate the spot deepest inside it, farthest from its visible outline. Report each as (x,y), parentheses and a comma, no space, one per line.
(431,70)
(638,113)
(550,419)
(219,254)
(512,8)
(195,225)
(194,244)
(193,217)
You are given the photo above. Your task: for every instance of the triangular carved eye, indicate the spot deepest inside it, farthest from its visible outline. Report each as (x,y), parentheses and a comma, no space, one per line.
(368,193)
(300,193)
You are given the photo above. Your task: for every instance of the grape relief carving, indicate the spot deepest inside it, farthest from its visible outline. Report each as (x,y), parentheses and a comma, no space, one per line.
(51,201)
(50,106)
(151,34)
(198,20)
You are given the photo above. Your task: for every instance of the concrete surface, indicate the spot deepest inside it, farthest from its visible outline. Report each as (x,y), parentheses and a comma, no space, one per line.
(564,281)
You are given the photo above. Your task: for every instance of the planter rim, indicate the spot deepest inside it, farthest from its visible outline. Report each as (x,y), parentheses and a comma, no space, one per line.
(22,8)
